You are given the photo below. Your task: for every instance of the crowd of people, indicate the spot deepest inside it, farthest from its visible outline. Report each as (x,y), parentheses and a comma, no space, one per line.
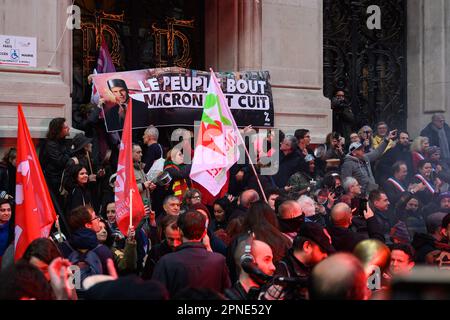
(370,206)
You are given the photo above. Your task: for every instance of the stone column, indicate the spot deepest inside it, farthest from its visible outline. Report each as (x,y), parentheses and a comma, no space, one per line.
(428,60)
(233,35)
(293,53)
(283,37)
(44,91)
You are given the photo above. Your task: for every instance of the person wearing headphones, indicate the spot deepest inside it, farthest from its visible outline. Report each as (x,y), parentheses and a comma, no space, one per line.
(253,259)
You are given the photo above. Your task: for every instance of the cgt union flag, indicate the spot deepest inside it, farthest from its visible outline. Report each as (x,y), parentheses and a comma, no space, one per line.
(126,181)
(35,213)
(217,142)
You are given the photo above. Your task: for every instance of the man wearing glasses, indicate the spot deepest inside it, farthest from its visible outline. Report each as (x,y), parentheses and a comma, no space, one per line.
(438,133)
(84,225)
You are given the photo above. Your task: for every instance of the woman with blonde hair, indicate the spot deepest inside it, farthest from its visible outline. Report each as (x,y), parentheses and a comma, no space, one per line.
(418,148)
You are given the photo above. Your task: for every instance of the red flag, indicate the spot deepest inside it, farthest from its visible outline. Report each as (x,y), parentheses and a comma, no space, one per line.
(126,181)
(35,213)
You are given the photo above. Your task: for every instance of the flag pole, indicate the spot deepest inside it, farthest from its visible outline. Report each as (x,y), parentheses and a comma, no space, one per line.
(246,150)
(131,207)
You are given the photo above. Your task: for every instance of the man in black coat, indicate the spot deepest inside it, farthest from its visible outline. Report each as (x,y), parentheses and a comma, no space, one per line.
(401,152)
(192,265)
(345,239)
(55,154)
(438,133)
(115,116)
(289,162)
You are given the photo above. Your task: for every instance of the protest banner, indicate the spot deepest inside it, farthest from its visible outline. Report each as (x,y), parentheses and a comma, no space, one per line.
(175,97)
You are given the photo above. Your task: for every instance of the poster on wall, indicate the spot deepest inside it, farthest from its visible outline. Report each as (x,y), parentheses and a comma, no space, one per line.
(175,96)
(18,51)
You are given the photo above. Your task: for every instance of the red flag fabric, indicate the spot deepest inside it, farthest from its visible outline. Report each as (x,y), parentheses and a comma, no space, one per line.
(126,181)
(35,213)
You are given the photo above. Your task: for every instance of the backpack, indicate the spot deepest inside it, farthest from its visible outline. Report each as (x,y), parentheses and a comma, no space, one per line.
(64,178)
(88,262)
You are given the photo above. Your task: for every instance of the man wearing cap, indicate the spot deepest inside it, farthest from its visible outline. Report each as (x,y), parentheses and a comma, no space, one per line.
(357,164)
(311,245)
(115,116)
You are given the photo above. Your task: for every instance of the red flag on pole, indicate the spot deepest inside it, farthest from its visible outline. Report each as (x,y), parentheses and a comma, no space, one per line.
(126,181)
(35,213)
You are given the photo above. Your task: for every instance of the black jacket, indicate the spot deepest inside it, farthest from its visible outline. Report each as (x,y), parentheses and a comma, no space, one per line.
(78,196)
(433,135)
(8,178)
(191,265)
(141,117)
(291,267)
(288,165)
(157,252)
(392,192)
(423,243)
(53,158)
(383,169)
(237,292)
(345,239)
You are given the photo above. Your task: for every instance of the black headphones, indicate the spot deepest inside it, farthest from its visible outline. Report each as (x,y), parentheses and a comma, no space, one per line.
(247,256)
(248,263)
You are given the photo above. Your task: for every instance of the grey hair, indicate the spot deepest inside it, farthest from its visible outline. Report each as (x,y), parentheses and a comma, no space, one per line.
(169,198)
(152,131)
(348,183)
(435,115)
(292,139)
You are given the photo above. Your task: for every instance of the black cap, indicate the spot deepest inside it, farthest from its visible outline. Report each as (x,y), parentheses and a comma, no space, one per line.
(117,83)
(315,232)
(78,142)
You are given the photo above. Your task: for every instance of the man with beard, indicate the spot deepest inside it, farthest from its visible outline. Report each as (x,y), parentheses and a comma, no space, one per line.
(254,260)
(311,245)
(401,152)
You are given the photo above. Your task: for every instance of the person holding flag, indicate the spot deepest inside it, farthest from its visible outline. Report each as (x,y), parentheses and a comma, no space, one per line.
(35,213)
(129,204)
(217,144)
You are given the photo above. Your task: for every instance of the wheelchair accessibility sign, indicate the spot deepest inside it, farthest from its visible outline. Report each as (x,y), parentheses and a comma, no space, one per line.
(18,51)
